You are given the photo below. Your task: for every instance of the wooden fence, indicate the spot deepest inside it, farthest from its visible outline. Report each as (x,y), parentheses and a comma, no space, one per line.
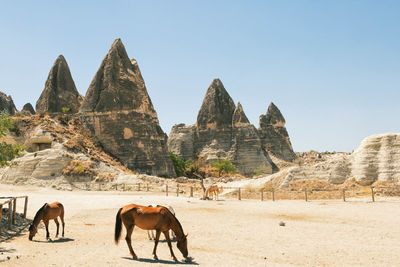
(190,190)
(12,209)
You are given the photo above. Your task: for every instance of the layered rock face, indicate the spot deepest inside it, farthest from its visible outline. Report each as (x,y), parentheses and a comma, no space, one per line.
(118,111)
(377,158)
(59,94)
(222,130)
(246,149)
(27,108)
(274,136)
(180,140)
(7,104)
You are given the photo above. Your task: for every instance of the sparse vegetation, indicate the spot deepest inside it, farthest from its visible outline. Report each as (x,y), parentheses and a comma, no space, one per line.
(78,168)
(224,166)
(8,151)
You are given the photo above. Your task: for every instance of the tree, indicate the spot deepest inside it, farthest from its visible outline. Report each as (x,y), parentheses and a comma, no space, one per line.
(224,166)
(180,165)
(7,151)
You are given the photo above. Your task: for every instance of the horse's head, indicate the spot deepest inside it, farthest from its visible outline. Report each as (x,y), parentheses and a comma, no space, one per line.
(182,246)
(32,231)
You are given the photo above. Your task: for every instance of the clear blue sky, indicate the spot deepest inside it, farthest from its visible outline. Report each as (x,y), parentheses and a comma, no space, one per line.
(332,67)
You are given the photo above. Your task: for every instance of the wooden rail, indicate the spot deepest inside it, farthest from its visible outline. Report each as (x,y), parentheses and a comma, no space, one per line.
(12,209)
(190,190)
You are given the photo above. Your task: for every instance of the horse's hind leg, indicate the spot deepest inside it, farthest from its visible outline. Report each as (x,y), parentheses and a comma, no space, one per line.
(58,225)
(158,232)
(129,230)
(62,221)
(166,233)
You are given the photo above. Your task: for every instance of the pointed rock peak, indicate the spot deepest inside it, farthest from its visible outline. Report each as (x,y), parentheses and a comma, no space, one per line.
(273,117)
(7,104)
(118,85)
(217,106)
(59,91)
(28,108)
(239,117)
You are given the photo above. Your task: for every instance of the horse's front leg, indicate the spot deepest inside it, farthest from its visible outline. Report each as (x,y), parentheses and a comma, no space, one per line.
(158,232)
(46,223)
(166,233)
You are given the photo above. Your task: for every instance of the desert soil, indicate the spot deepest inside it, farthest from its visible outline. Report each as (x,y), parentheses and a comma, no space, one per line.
(227,232)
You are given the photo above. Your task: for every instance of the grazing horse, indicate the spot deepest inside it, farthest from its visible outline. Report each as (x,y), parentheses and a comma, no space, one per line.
(212,191)
(150,218)
(150,233)
(46,213)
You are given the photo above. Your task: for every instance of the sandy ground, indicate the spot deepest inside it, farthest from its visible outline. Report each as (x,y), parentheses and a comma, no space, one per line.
(221,233)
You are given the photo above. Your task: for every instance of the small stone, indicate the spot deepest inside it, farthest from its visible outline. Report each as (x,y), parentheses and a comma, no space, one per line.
(281,223)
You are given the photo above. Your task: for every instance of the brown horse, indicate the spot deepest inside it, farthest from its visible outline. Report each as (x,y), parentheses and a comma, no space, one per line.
(46,213)
(150,218)
(212,191)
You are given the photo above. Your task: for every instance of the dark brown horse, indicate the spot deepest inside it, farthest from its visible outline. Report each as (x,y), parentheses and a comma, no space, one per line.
(46,213)
(150,218)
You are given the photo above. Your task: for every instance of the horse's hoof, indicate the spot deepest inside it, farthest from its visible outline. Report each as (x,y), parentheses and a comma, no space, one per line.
(134,257)
(174,259)
(155,257)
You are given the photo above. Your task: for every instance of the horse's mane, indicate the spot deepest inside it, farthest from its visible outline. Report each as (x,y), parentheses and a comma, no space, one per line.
(39,211)
(176,219)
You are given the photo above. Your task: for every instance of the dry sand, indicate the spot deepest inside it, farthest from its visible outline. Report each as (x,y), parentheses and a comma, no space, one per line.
(221,233)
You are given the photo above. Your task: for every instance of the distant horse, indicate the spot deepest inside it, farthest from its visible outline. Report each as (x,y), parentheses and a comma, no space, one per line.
(150,233)
(150,218)
(213,190)
(46,213)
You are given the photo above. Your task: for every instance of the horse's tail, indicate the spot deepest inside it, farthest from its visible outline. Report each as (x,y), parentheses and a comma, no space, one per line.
(118,227)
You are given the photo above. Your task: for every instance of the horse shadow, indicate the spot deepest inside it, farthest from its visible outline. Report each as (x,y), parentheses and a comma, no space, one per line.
(161,261)
(60,240)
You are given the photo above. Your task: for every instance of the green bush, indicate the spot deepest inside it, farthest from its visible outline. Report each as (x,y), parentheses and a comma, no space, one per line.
(224,166)
(180,165)
(7,151)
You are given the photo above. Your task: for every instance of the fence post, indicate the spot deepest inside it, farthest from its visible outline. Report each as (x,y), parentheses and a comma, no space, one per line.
(147,187)
(139,187)
(166,189)
(191,191)
(344,195)
(262,194)
(372,194)
(9,213)
(99,187)
(1,214)
(273,194)
(177,190)
(25,206)
(14,210)
(305,194)
(239,194)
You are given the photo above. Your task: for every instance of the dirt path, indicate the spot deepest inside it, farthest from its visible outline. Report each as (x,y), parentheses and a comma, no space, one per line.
(221,233)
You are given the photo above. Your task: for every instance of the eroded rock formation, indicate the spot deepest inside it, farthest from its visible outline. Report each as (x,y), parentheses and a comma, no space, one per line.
(274,136)
(118,111)
(222,130)
(60,93)
(28,109)
(376,159)
(7,104)
(246,150)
